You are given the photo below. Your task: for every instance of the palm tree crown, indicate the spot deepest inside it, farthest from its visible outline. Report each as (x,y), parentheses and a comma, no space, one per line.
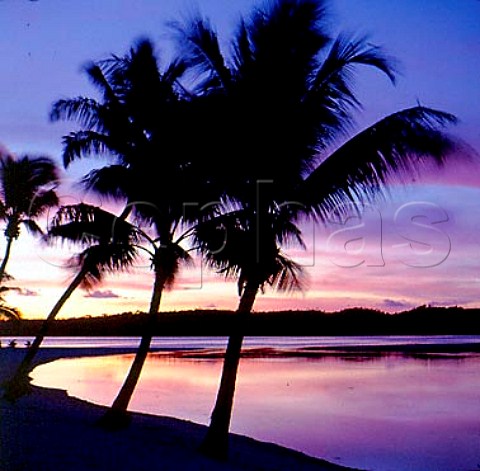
(109,243)
(27,190)
(284,98)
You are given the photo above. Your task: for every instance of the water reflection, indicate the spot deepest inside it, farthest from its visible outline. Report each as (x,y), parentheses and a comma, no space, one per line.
(380,412)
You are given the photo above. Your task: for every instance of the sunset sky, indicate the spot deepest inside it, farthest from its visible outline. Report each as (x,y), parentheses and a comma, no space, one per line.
(392,264)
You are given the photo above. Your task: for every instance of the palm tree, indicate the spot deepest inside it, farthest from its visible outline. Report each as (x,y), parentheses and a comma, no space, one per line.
(26,193)
(141,121)
(7,312)
(280,102)
(230,245)
(110,245)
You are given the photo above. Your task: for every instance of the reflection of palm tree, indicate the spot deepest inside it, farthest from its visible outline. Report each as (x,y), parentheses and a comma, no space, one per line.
(110,246)
(26,193)
(278,105)
(141,123)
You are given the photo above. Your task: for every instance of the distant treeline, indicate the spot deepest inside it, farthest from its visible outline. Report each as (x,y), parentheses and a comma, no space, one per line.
(424,320)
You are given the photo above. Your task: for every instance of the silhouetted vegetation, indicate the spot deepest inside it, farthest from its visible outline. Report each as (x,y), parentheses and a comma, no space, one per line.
(423,320)
(90,227)
(281,99)
(27,191)
(281,106)
(6,311)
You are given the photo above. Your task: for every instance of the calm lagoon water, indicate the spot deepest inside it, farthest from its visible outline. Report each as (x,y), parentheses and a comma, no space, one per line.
(183,343)
(383,413)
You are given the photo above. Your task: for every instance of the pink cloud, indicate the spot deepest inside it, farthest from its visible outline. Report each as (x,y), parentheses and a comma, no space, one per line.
(102,294)
(28,292)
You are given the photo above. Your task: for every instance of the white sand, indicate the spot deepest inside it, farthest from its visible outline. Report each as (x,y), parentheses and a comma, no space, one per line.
(50,431)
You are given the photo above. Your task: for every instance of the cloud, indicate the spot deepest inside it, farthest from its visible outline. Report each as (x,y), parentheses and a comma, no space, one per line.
(27,292)
(395,304)
(106,294)
(454,301)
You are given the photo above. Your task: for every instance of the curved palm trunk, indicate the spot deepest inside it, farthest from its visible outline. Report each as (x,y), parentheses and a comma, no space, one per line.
(215,443)
(117,416)
(18,385)
(6,257)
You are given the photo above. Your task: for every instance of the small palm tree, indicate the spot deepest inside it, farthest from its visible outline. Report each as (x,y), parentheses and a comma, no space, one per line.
(26,193)
(109,246)
(279,104)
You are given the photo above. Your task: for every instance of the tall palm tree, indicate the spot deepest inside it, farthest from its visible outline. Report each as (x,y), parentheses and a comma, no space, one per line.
(141,122)
(240,245)
(26,193)
(110,245)
(280,102)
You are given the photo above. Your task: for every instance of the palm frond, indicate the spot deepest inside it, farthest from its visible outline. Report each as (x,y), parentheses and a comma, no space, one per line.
(143,91)
(87,225)
(97,260)
(9,313)
(286,231)
(84,144)
(235,245)
(32,226)
(37,171)
(331,97)
(398,145)
(201,52)
(273,48)
(5,277)
(169,259)
(97,77)
(114,181)
(242,54)
(347,51)
(175,71)
(26,186)
(42,201)
(83,110)
(110,242)
(113,72)
(289,276)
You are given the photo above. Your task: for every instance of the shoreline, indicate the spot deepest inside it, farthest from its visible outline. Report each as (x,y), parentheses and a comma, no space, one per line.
(48,430)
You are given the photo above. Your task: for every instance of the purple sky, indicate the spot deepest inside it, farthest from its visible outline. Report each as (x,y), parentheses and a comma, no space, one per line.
(44,44)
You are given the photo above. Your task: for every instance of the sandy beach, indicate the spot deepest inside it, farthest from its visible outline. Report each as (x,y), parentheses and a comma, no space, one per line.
(49,430)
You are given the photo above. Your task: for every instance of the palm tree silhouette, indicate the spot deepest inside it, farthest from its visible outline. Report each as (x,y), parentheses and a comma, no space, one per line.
(279,103)
(109,246)
(230,244)
(7,312)
(26,193)
(141,121)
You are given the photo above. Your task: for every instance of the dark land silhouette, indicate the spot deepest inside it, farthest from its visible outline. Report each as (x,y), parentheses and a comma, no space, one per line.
(423,320)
